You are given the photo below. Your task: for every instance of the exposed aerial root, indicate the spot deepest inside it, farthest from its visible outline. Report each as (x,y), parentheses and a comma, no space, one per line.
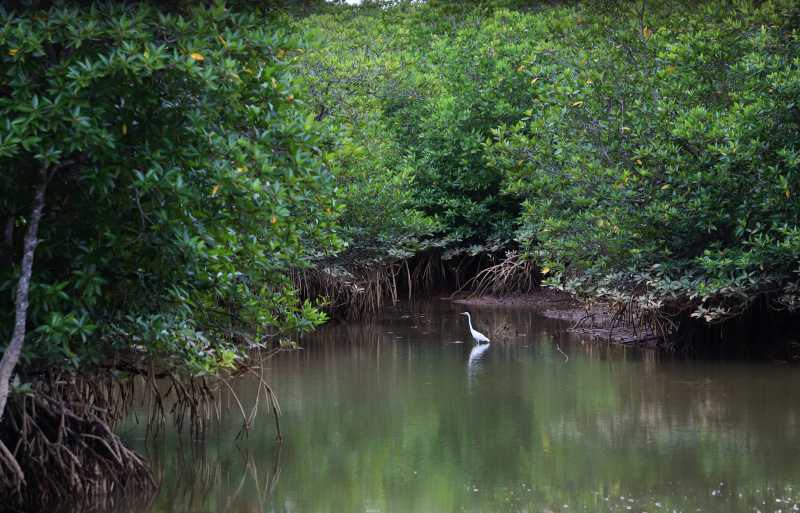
(56,447)
(57,444)
(349,293)
(516,274)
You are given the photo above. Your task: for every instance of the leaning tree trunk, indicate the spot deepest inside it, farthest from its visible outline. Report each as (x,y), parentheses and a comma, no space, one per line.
(11,356)
(49,451)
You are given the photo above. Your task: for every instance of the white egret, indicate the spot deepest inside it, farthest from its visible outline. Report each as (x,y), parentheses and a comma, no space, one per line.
(479,337)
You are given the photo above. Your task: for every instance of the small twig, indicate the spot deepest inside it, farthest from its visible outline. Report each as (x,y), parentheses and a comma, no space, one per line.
(562,352)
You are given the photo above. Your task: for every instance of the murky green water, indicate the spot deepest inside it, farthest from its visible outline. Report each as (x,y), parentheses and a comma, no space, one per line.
(395,416)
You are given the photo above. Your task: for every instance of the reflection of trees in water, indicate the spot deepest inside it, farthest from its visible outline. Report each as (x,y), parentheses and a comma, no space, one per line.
(142,502)
(635,401)
(363,409)
(692,421)
(199,477)
(203,478)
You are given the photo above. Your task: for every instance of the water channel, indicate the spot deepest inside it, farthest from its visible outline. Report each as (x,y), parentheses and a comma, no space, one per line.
(403,414)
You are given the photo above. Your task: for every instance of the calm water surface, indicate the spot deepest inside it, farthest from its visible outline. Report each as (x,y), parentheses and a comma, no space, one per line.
(404,415)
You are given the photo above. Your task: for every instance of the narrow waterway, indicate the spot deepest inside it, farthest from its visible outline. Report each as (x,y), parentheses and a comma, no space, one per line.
(406,415)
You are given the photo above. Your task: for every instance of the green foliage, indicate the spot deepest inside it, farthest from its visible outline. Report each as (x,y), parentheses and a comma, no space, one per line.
(422,85)
(643,150)
(660,156)
(350,83)
(185,180)
(471,59)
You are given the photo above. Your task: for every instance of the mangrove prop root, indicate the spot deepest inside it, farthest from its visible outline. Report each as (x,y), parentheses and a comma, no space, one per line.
(515,274)
(580,321)
(349,292)
(54,449)
(57,443)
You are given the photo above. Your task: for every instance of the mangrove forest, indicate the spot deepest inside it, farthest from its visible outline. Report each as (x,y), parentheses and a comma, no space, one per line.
(188,186)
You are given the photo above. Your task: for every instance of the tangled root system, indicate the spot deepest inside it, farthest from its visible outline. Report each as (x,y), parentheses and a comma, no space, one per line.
(515,274)
(57,441)
(56,445)
(349,293)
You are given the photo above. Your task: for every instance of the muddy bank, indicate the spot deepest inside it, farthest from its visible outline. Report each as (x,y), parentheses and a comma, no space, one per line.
(543,298)
(597,321)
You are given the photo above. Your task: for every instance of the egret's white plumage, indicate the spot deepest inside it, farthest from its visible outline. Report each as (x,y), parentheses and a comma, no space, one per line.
(479,337)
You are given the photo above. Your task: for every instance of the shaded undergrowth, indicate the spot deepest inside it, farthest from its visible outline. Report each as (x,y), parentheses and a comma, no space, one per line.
(352,292)
(765,329)
(513,275)
(744,327)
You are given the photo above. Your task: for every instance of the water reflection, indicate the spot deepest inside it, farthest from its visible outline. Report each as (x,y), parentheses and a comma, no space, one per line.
(382,417)
(473,367)
(476,353)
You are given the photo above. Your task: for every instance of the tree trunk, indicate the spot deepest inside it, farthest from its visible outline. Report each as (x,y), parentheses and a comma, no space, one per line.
(11,356)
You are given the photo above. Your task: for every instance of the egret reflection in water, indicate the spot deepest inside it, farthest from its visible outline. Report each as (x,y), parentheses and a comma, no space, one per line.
(474,368)
(476,353)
